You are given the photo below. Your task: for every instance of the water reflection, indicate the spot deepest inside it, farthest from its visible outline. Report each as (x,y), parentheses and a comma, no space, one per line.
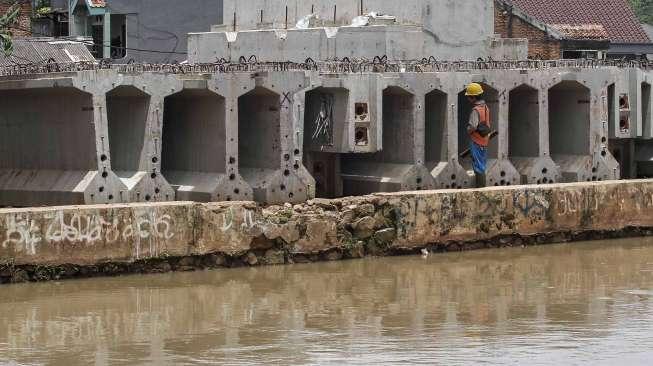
(587,302)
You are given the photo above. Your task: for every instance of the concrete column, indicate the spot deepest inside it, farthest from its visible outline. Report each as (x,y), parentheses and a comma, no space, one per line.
(107,35)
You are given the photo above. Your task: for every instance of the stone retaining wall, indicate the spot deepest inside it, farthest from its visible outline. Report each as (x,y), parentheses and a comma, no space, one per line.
(61,242)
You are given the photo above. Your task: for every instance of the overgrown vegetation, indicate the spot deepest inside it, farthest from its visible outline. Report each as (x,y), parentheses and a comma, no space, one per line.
(644,10)
(6,21)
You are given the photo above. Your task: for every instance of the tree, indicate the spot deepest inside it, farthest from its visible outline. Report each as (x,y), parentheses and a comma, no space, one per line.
(643,9)
(6,21)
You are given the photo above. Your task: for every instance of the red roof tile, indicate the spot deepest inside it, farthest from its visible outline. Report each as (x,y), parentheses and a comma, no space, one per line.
(97,3)
(616,16)
(584,32)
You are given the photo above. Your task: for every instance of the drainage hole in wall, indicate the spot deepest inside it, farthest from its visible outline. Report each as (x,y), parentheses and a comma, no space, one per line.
(286,157)
(155,159)
(237,191)
(282,187)
(153,175)
(419,180)
(593,170)
(503,174)
(603,153)
(453,177)
(105,174)
(110,197)
(296,166)
(232,160)
(290,195)
(148,197)
(544,180)
(157,190)
(539,181)
(503,182)
(603,139)
(103,157)
(232,176)
(286,172)
(101,189)
(296,151)
(545,170)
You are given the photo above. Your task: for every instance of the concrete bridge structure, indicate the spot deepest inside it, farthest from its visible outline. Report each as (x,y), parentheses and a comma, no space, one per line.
(288,122)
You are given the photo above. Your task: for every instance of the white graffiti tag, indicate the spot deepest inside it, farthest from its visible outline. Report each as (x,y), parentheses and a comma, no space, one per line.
(22,233)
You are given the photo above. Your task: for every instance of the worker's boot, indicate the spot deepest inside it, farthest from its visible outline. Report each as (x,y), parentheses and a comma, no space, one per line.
(480,180)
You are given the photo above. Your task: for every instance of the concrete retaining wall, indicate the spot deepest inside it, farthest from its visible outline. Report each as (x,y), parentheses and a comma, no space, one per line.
(46,243)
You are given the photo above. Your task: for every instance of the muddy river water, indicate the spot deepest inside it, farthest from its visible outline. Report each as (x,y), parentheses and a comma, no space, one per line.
(583,303)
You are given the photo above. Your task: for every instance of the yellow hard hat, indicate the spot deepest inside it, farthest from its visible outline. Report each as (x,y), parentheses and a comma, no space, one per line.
(474,90)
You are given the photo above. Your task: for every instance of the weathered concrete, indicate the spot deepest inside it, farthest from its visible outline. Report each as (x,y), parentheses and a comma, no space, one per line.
(111,239)
(425,27)
(257,135)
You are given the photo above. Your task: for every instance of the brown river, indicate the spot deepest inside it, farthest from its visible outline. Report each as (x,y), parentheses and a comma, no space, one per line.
(583,303)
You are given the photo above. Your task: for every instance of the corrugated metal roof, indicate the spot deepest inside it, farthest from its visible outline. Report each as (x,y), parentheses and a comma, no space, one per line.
(36,50)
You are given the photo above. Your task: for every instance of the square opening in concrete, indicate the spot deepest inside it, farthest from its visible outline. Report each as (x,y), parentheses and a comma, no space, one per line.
(47,129)
(259,118)
(524,124)
(324,117)
(491,98)
(127,110)
(646,106)
(436,125)
(193,135)
(569,119)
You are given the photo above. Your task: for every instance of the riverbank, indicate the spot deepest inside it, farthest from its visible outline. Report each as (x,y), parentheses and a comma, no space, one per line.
(40,244)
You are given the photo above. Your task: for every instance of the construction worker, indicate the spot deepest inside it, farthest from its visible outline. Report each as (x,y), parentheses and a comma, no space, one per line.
(479,131)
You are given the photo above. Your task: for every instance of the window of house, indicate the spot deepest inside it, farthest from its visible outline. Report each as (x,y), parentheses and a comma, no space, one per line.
(118,36)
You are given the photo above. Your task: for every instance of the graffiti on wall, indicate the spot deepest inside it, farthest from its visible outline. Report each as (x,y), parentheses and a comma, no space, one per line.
(25,233)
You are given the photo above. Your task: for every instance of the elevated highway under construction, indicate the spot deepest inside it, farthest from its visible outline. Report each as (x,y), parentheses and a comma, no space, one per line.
(278,121)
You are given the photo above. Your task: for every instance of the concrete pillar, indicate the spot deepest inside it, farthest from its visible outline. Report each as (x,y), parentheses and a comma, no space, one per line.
(198,156)
(107,35)
(269,155)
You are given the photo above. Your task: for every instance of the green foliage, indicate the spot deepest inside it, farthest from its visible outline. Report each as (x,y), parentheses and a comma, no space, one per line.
(644,10)
(6,21)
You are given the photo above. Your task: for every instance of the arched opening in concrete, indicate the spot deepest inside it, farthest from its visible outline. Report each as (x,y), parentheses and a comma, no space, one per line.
(259,118)
(325,134)
(491,98)
(398,127)
(127,110)
(646,106)
(524,124)
(435,113)
(381,171)
(569,119)
(194,137)
(47,129)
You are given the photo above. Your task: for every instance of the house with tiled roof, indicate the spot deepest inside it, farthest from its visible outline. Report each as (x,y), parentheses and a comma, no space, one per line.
(574,28)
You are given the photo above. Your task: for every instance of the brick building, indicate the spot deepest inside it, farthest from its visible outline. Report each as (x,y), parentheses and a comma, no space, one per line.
(573,28)
(23,28)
